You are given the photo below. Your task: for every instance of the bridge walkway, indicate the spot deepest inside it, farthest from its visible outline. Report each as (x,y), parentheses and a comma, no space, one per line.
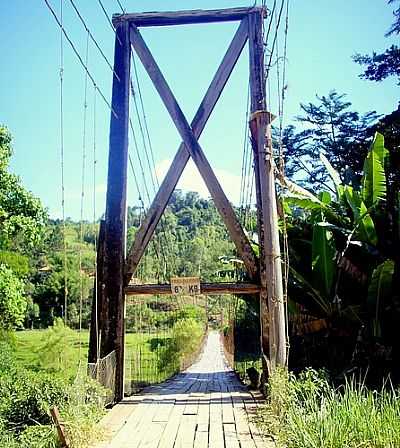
(205,406)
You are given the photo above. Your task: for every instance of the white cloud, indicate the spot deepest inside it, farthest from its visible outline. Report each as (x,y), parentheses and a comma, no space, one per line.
(191,180)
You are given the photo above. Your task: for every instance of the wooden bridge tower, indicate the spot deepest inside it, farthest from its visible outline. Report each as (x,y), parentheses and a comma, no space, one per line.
(116,266)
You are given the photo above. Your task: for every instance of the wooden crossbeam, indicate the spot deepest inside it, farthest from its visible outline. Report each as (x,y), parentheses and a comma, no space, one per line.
(205,288)
(185,17)
(224,207)
(168,185)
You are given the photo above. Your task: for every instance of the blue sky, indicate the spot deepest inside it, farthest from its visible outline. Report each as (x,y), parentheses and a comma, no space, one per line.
(323,35)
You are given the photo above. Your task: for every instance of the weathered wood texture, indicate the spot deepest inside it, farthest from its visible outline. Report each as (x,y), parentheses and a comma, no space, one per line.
(257,102)
(270,260)
(98,299)
(168,185)
(185,17)
(224,207)
(206,288)
(60,427)
(113,332)
(203,407)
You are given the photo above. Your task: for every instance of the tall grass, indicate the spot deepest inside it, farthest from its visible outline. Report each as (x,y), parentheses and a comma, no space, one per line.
(307,412)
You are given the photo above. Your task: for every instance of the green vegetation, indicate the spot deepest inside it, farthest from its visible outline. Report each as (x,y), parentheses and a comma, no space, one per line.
(185,340)
(167,335)
(308,411)
(12,301)
(342,270)
(39,370)
(27,396)
(341,202)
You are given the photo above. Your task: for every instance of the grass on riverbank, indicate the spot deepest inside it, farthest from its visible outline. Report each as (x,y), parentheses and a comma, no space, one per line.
(142,353)
(307,412)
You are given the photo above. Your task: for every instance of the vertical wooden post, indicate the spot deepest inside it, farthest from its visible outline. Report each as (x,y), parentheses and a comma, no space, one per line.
(112,325)
(272,315)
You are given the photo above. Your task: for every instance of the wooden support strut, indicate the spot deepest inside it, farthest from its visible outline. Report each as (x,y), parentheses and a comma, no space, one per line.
(146,230)
(224,207)
(205,288)
(185,17)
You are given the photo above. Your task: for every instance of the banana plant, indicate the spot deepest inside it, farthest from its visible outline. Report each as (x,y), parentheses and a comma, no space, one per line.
(348,213)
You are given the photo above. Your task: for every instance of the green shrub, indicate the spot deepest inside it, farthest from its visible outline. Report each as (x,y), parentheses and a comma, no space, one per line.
(56,353)
(7,439)
(184,341)
(12,300)
(186,336)
(39,436)
(26,398)
(85,407)
(7,357)
(191,312)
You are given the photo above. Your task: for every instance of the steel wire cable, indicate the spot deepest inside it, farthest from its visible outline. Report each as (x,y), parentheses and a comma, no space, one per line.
(62,161)
(79,57)
(82,20)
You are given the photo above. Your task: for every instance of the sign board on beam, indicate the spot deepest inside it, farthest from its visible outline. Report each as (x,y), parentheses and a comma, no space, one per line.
(189,286)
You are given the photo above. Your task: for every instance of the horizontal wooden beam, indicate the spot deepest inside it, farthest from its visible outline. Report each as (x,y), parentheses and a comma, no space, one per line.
(185,17)
(205,288)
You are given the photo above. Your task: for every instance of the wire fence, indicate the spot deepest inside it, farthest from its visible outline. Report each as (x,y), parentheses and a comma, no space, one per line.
(104,372)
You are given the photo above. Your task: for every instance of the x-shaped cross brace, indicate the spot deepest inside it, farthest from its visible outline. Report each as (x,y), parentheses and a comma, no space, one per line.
(190,147)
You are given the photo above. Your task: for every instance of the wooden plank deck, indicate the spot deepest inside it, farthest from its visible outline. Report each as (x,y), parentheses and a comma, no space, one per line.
(203,407)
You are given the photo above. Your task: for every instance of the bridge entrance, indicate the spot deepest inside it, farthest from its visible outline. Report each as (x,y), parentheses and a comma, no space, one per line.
(116,266)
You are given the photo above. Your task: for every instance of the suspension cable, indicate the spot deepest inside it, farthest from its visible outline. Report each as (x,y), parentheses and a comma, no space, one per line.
(62,163)
(82,196)
(244,157)
(282,95)
(148,148)
(79,57)
(96,292)
(82,20)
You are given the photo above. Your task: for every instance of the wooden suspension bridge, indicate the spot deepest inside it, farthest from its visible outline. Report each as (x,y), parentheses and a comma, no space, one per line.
(204,406)
(219,391)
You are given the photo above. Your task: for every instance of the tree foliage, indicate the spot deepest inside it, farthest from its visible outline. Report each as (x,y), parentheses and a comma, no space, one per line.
(12,301)
(380,66)
(188,241)
(22,216)
(333,129)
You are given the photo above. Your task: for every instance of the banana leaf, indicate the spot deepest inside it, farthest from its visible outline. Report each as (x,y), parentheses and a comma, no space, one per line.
(379,291)
(362,220)
(323,257)
(373,182)
(334,176)
(297,190)
(323,302)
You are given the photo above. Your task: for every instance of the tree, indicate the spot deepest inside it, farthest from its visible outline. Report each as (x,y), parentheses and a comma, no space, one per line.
(49,291)
(22,216)
(12,300)
(380,66)
(331,127)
